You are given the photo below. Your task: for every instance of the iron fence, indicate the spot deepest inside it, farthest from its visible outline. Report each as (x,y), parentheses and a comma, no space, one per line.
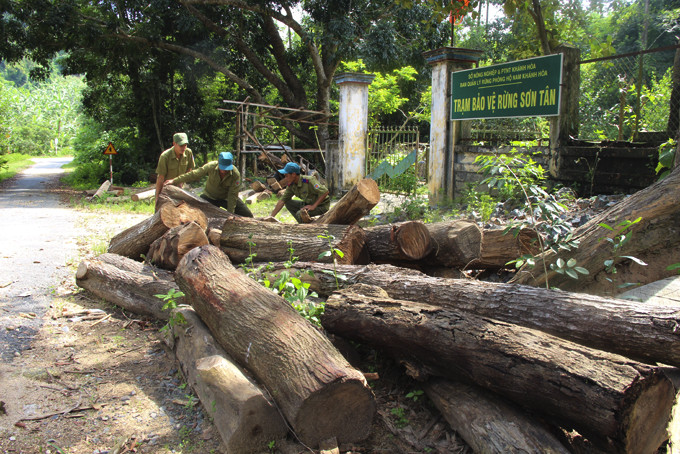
(624,96)
(396,160)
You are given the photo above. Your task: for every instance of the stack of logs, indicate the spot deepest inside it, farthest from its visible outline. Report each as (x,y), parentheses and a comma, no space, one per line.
(507,365)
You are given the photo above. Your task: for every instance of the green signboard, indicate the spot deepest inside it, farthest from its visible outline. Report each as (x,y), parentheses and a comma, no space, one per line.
(523,88)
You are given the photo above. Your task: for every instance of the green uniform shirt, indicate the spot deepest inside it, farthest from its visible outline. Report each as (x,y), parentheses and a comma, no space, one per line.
(308,189)
(216,187)
(171,167)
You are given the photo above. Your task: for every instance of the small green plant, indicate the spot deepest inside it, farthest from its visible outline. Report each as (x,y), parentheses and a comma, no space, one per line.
(191,401)
(271,446)
(288,286)
(415,395)
(621,237)
(399,417)
(674,267)
(666,158)
(170,299)
(335,253)
(568,267)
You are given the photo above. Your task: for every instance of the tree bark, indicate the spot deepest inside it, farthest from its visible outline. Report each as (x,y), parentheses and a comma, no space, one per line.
(497,249)
(354,205)
(136,240)
(317,390)
(126,283)
(273,241)
(618,403)
(488,423)
(406,241)
(655,240)
(176,196)
(245,417)
(168,250)
(650,332)
(455,243)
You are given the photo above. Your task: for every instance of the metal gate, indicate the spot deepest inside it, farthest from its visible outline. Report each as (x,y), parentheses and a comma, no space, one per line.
(395,159)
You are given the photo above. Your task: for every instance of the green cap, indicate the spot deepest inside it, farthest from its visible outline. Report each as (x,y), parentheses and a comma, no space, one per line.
(180,138)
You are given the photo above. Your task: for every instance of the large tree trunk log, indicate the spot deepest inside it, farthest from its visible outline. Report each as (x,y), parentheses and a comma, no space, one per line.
(498,249)
(169,249)
(317,390)
(272,242)
(644,332)
(489,424)
(407,241)
(173,194)
(354,205)
(136,240)
(246,419)
(618,403)
(455,243)
(126,283)
(655,240)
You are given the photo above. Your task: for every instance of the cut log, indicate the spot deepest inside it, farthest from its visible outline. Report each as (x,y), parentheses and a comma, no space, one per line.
(317,390)
(650,332)
(272,242)
(136,240)
(246,419)
(168,250)
(102,190)
(406,241)
(665,292)
(498,249)
(257,186)
(144,195)
(176,196)
(214,236)
(275,187)
(354,205)
(270,160)
(489,424)
(617,403)
(454,243)
(258,197)
(655,240)
(127,283)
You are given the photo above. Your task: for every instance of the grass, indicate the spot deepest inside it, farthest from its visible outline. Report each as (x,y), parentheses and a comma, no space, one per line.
(16,162)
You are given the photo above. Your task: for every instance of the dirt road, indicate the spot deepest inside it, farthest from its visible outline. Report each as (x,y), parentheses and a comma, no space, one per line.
(38,237)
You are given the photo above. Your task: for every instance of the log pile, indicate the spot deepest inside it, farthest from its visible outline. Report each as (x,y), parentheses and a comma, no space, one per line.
(511,368)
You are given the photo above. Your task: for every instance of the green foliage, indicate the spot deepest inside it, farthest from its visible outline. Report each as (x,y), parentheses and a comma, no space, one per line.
(13,163)
(415,395)
(399,415)
(480,202)
(621,236)
(509,174)
(666,158)
(289,286)
(170,299)
(335,253)
(40,118)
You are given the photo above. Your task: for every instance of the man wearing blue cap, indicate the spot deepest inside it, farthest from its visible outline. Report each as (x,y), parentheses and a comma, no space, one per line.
(313,195)
(221,188)
(174,161)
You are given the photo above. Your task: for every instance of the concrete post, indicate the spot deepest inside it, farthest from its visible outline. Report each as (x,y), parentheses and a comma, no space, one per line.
(444,133)
(353,128)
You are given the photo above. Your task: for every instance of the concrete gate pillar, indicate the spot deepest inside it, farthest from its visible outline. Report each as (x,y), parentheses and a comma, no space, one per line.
(444,133)
(350,167)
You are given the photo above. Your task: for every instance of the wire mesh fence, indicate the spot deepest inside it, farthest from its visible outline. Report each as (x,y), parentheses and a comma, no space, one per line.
(396,160)
(625,95)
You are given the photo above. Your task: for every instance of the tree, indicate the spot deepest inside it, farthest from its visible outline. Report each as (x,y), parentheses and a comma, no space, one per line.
(242,41)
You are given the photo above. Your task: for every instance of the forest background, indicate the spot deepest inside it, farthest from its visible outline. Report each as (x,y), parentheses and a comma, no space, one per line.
(76,75)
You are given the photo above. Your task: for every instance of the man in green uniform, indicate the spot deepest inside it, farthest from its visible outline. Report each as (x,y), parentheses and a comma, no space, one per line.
(221,188)
(174,161)
(313,195)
